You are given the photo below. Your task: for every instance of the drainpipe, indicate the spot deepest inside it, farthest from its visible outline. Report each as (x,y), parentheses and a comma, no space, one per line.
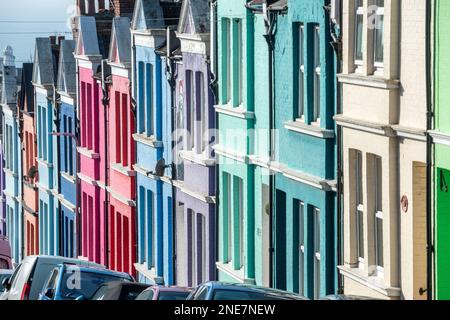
(105,102)
(56,165)
(430,115)
(77,179)
(214,88)
(336,43)
(172,82)
(20,132)
(270,38)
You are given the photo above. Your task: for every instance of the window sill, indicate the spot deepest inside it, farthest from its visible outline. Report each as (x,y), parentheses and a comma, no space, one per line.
(150,141)
(373,282)
(237,112)
(88,153)
(149,273)
(372,81)
(197,158)
(311,130)
(238,275)
(123,170)
(45,163)
(68,177)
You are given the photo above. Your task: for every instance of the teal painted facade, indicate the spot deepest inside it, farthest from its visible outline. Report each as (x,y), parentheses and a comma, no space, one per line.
(305,204)
(243,113)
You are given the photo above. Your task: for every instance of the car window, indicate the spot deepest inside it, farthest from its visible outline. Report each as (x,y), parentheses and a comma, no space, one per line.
(201,293)
(3,277)
(241,295)
(75,284)
(14,275)
(172,295)
(50,287)
(146,295)
(100,293)
(130,293)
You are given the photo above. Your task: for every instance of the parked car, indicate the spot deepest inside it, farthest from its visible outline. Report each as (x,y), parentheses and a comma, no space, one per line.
(164,293)
(30,275)
(74,282)
(215,290)
(5,254)
(346,297)
(119,290)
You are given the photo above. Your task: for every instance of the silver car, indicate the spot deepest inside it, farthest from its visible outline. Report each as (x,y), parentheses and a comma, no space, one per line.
(30,275)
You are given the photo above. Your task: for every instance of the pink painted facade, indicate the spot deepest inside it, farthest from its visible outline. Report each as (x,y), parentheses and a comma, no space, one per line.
(92,164)
(122,196)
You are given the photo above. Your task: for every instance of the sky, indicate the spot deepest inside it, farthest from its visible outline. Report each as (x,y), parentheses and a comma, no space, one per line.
(21,21)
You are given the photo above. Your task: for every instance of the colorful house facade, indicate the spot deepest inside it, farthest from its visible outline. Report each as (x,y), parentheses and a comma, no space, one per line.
(441,142)
(121,125)
(44,81)
(30,195)
(242,51)
(194,122)
(12,155)
(67,128)
(305,186)
(93,47)
(384,121)
(155,260)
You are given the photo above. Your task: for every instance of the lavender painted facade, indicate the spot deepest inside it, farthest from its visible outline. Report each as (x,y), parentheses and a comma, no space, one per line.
(195,122)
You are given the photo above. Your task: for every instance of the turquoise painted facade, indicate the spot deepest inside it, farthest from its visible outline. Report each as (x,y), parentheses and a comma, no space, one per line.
(305,189)
(242,110)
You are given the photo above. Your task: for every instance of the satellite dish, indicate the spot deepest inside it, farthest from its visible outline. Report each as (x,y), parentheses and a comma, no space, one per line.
(160,167)
(32,172)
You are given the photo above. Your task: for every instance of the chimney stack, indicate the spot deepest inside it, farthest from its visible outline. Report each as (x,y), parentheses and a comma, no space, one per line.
(123,8)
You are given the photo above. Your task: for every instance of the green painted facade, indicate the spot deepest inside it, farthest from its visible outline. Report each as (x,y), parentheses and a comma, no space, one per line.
(243,117)
(442,149)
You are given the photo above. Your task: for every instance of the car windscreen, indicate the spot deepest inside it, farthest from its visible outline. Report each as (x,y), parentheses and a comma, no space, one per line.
(131,292)
(172,295)
(2,277)
(242,295)
(82,283)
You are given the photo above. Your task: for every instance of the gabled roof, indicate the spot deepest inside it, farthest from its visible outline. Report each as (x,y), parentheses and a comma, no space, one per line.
(194,17)
(148,14)
(87,37)
(155,14)
(120,50)
(26,95)
(67,68)
(44,64)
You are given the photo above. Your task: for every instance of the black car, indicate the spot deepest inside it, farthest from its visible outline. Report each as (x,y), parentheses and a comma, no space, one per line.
(215,290)
(118,290)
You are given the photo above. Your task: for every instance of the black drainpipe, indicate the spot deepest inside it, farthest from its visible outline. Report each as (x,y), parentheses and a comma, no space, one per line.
(105,102)
(270,38)
(429,95)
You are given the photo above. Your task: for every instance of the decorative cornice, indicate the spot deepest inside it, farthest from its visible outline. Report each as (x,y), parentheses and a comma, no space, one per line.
(362,125)
(88,153)
(440,137)
(410,133)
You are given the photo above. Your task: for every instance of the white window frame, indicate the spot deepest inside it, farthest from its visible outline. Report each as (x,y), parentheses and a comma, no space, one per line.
(378,172)
(229,226)
(359,37)
(359,208)
(317,77)
(317,257)
(300,116)
(240,222)
(301,254)
(239,57)
(378,66)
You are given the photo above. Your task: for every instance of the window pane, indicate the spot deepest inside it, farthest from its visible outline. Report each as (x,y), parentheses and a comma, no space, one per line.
(301,241)
(301,74)
(378,32)
(359,30)
(316,113)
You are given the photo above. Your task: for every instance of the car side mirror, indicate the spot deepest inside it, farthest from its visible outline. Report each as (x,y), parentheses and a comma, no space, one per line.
(6,283)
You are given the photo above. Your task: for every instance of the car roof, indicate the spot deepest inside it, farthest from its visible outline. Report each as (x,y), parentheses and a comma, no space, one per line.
(170,289)
(95,269)
(222,285)
(6,271)
(62,259)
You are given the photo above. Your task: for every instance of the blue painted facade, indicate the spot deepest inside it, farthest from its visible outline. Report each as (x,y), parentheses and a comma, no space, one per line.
(47,156)
(152,94)
(67,124)
(305,205)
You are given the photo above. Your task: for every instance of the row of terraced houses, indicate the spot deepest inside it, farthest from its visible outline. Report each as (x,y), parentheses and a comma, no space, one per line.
(296,144)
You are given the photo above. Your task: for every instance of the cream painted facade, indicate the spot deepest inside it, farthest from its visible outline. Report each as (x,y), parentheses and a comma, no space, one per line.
(384,123)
